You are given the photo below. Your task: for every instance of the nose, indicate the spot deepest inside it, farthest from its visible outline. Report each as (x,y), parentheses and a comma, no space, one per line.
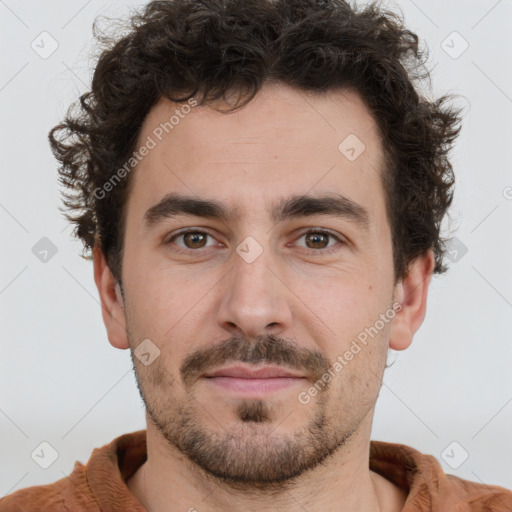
(255,300)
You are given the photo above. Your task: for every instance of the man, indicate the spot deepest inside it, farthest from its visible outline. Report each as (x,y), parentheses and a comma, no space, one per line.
(262,188)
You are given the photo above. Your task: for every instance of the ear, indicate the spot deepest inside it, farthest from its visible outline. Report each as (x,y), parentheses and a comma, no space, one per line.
(112,304)
(411,292)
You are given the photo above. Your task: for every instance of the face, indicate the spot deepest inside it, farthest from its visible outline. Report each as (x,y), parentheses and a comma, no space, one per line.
(265,275)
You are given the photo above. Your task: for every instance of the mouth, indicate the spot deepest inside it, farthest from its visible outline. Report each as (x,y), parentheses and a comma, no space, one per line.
(250,381)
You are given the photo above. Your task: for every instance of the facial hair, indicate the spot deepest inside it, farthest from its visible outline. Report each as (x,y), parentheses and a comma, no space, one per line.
(253,455)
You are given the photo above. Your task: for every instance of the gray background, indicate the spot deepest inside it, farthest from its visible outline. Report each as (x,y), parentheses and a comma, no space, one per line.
(62,383)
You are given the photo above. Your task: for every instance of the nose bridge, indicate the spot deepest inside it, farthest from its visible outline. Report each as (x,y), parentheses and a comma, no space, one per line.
(251,280)
(255,299)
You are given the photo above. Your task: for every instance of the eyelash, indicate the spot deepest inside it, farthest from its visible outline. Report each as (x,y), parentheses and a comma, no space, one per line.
(311,252)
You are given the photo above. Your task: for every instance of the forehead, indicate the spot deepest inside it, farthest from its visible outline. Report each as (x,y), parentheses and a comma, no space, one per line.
(284,142)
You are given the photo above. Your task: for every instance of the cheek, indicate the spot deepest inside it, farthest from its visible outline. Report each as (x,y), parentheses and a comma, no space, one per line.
(343,300)
(362,370)
(343,317)
(165,307)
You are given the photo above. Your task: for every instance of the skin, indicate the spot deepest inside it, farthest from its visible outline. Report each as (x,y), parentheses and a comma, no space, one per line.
(270,452)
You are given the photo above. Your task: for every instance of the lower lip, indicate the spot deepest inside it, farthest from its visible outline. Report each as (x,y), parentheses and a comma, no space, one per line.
(254,385)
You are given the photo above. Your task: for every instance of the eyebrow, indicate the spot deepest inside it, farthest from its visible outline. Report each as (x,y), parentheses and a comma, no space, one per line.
(335,205)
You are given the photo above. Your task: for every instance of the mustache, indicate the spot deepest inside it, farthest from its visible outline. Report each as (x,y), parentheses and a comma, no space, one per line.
(266,348)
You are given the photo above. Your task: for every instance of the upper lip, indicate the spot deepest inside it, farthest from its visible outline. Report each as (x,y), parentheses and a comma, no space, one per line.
(244,372)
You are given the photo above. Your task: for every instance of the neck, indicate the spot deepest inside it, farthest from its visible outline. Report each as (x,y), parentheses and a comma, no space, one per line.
(168,481)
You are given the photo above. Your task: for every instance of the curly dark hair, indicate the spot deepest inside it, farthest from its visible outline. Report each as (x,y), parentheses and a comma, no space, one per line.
(205,49)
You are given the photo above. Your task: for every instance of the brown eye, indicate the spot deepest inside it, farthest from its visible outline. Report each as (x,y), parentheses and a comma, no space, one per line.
(317,240)
(194,239)
(188,242)
(321,242)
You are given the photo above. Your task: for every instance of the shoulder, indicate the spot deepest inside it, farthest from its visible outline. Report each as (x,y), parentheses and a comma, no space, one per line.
(41,498)
(429,488)
(479,497)
(68,493)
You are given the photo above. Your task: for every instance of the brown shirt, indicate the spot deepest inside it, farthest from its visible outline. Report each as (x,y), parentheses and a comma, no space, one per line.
(100,485)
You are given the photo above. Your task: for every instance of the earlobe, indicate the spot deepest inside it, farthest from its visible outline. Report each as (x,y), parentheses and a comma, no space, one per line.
(112,304)
(411,292)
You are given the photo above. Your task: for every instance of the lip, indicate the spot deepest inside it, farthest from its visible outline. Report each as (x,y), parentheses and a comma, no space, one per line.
(244,372)
(250,382)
